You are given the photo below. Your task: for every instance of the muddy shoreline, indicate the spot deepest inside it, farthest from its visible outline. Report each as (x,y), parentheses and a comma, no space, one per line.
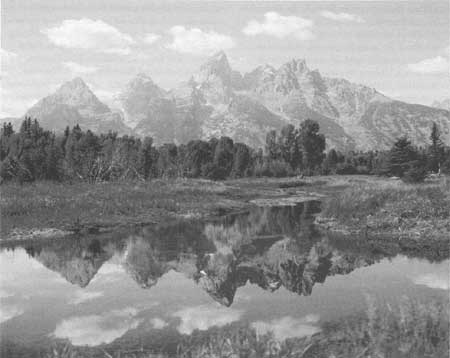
(210,200)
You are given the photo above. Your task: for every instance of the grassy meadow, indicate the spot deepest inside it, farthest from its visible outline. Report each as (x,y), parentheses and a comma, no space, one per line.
(354,204)
(393,207)
(84,206)
(409,329)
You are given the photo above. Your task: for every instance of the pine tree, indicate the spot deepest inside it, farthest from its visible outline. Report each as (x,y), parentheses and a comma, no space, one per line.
(272,148)
(241,161)
(311,145)
(146,157)
(435,150)
(406,162)
(400,156)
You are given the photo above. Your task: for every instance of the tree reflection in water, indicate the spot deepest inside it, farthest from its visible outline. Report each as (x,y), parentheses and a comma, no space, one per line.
(271,247)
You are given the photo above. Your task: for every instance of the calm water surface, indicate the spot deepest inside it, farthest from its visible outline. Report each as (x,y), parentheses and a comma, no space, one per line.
(269,267)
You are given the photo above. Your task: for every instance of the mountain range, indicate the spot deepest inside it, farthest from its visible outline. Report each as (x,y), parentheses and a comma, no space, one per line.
(219,101)
(444,104)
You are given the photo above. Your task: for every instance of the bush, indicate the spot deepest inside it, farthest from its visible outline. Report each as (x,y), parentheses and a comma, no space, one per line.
(345,169)
(214,172)
(416,173)
(273,168)
(445,166)
(279,168)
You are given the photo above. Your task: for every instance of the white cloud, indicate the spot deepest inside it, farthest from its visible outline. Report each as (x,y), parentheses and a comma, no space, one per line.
(9,311)
(90,34)
(280,26)
(204,317)
(288,327)
(12,105)
(109,271)
(81,296)
(158,323)
(151,38)
(198,42)
(7,56)
(438,64)
(97,329)
(9,61)
(78,69)
(5,294)
(342,16)
(433,281)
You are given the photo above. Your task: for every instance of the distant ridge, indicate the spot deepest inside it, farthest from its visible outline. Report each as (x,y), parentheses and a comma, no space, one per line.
(218,101)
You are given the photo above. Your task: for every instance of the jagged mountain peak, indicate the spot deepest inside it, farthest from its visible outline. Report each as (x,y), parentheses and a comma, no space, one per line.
(137,97)
(444,104)
(76,82)
(258,76)
(143,84)
(218,57)
(142,78)
(219,101)
(296,66)
(266,68)
(217,66)
(345,88)
(75,94)
(75,103)
(76,86)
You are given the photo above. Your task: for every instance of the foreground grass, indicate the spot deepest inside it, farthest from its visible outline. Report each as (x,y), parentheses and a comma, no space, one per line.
(408,329)
(355,204)
(392,207)
(82,206)
(48,209)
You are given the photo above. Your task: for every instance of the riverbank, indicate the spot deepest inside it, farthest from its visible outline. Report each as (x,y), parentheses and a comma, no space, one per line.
(352,205)
(47,209)
(414,217)
(44,207)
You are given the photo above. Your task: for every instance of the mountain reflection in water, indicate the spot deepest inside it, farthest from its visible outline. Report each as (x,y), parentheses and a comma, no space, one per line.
(277,250)
(268,246)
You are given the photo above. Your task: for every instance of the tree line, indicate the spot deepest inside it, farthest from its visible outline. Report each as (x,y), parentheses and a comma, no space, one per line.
(33,153)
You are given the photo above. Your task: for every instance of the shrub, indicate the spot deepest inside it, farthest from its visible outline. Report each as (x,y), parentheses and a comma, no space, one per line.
(214,172)
(415,174)
(279,168)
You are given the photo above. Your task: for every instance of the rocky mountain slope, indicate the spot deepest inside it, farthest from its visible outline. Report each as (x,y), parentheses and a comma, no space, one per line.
(74,103)
(218,101)
(444,104)
(77,262)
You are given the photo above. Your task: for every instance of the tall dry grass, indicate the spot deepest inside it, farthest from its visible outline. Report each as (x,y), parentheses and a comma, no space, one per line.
(57,205)
(421,201)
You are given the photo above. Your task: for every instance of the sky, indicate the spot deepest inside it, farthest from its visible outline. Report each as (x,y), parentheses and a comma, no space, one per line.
(401,48)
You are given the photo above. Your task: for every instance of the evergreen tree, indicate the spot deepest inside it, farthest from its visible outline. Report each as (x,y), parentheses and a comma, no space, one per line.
(7,129)
(435,150)
(330,163)
(198,153)
(241,161)
(288,146)
(400,156)
(146,158)
(223,157)
(311,145)
(53,160)
(272,148)
(167,164)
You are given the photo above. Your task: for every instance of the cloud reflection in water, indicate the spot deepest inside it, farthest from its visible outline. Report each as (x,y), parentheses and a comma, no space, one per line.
(205,316)
(289,327)
(93,330)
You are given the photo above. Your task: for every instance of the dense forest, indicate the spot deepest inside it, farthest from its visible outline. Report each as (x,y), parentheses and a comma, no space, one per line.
(32,153)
